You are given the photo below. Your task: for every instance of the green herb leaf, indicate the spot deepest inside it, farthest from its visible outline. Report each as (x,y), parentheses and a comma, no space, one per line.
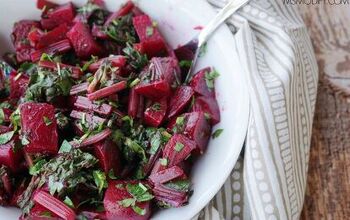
(46,213)
(136,148)
(6,137)
(24,140)
(134,82)
(47,121)
(180,120)
(139,210)
(207,116)
(16,119)
(149,31)
(69,202)
(35,170)
(139,192)
(135,58)
(65,147)
(185,63)
(111,175)
(179,185)
(179,146)
(156,106)
(163,161)
(2,116)
(100,180)
(210,78)
(217,133)
(127,202)
(122,30)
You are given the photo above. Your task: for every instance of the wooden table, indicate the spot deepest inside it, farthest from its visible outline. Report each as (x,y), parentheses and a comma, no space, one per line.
(328,190)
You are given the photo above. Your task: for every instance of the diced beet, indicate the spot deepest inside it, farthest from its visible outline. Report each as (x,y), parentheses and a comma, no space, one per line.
(39,127)
(53,49)
(117,192)
(126,9)
(9,157)
(196,127)
(133,103)
(21,30)
(92,139)
(173,197)
(41,4)
(116,61)
(158,78)
(76,71)
(107,91)
(63,14)
(4,129)
(178,149)
(18,192)
(86,104)
(79,88)
(199,85)
(209,106)
(166,175)
(38,213)
(82,41)
(7,113)
(92,120)
(34,36)
(155,114)
(93,215)
(98,32)
(181,98)
(149,35)
(53,36)
(107,152)
(18,85)
(54,205)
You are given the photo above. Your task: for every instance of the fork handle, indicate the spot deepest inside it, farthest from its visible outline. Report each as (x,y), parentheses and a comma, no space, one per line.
(221,17)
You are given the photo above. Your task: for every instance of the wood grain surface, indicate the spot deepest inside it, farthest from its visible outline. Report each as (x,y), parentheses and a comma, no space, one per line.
(328,189)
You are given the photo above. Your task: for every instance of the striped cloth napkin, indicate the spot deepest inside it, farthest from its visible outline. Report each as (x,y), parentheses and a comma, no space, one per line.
(269,179)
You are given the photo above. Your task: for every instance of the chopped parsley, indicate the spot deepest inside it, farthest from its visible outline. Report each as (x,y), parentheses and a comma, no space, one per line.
(149,31)
(156,106)
(135,58)
(185,63)
(179,146)
(65,147)
(2,116)
(217,133)
(69,202)
(47,121)
(210,78)
(6,137)
(180,120)
(100,180)
(163,161)
(35,170)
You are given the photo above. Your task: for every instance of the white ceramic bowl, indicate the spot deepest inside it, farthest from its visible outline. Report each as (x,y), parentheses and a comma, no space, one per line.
(177,19)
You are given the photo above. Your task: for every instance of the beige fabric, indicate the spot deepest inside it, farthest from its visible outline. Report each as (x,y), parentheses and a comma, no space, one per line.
(268,181)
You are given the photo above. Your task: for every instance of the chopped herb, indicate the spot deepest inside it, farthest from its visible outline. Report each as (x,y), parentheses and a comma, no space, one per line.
(134,147)
(134,82)
(122,30)
(149,31)
(179,146)
(180,120)
(68,202)
(127,202)
(88,63)
(207,116)
(24,140)
(16,119)
(210,78)
(27,67)
(155,142)
(2,116)
(119,186)
(111,175)
(135,58)
(179,185)
(128,119)
(139,210)
(217,133)
(54,185)
(46,213)
(35,170)
(47,121)
(6,137)
(202,50)
(139,192)
(163,161)
(156,106)
(65,147)
(185,63)
(100,180)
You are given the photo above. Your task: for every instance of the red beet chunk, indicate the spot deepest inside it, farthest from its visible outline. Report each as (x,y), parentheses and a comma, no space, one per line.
(9,157)
(54,205)
(34,36)
(41,4)
(178,149)
(158,78)
(55,48)
(149,35)
(107,91)
(126,9)
(116,192)
(196,127)
(97,31)
(170,196)
(38,213)
(116,61)
(166,175)
(79,88)
(92,120)
(82,41)
(209,106)
(133,103)
(86,104)
(57,34)
(92,139)
(107,152)
(180,100)
(199,85)
(39,127)
(4,129)
(18,85)
(21,30)
(63,14)
(155,114)
(25,54)
(7,114)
